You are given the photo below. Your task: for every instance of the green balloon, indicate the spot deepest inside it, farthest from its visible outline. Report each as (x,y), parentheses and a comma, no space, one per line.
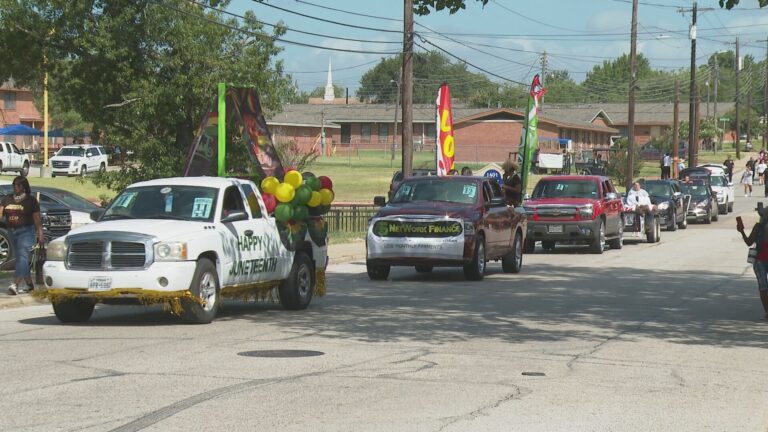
(303,194)
(300,213)
(283,212)
(313,183)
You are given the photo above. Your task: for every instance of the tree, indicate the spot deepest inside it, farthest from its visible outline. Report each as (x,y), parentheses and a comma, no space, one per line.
(422,7)
(380,83)
(143,72)
(729,4)
(561,88)
(617,163)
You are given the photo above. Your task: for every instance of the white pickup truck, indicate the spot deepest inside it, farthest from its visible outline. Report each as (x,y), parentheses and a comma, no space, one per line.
(13,159)
(184,242)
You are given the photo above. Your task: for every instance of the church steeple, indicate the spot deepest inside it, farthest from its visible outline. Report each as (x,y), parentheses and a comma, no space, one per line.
(329,94)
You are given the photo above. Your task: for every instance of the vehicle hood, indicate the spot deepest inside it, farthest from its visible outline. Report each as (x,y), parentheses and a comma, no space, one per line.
(427,208)
(80,218)
(545,202)
(660,198)
(161,229)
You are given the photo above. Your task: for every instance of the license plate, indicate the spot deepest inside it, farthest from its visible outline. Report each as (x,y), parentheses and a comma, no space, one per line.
(555,228)
(100,283)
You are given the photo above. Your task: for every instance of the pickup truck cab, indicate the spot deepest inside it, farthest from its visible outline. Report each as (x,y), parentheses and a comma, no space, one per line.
(79,160)
(13,159)
(455,221)
(185,242)
(575,209)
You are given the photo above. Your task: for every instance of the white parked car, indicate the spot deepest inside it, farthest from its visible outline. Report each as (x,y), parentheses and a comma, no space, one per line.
(722,187)
(79,160)
(13,159)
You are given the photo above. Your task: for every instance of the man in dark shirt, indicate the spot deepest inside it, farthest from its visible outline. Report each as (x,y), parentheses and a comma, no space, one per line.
(512,184)
(729,164)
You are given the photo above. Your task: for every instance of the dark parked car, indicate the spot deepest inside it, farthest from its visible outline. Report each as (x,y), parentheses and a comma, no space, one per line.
(671,203)
(703,205)
(398,177)
(455,221)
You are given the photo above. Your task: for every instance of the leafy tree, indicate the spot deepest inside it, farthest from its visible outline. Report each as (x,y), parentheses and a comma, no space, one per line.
(380,83)
(338,91)
(561,88)
(422,7)
(729,4)
(143,72)
(617,163)
(610,80)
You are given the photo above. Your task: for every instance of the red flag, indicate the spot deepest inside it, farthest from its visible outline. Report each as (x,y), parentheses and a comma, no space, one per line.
(445,144)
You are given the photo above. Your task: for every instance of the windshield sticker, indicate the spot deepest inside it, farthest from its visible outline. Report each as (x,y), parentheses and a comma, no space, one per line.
(469,190)
(125,199)
(165,190)
(560,187)
(202,208)
(168,202)
(406,189)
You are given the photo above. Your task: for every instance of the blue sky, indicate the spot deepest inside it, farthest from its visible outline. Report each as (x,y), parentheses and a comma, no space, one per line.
(506,37)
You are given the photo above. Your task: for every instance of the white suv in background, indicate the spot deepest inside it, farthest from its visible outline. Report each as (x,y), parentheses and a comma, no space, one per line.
(722,187)
(79,160)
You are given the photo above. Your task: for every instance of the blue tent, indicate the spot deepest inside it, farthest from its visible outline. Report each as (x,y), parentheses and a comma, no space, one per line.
(20,129)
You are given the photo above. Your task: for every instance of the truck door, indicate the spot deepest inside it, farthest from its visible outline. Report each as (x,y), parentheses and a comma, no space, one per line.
(10,156)
(612,208)
(495,211)
(271,247)
(248,258)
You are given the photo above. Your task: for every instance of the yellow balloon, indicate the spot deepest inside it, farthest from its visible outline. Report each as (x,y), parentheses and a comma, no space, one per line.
(326,196)
(285,192)
(293,178)
(269,185)
(315,200)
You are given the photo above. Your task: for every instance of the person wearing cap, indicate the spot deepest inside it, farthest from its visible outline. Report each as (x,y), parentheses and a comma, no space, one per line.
(512,183)
(760,265)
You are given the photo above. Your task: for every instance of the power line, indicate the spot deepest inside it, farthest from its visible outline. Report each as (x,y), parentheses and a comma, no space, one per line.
(348,12)
(326,20)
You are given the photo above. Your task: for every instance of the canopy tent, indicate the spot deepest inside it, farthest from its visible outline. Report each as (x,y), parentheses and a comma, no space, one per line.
(20,129)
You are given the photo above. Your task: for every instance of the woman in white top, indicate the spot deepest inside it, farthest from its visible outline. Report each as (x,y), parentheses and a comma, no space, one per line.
(761,166)
(746,180)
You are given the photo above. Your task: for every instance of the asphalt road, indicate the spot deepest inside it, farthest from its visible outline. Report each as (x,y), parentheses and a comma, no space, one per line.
(653,337)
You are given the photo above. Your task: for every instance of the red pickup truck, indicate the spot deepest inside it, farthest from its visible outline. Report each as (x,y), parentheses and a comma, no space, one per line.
(574,209)
(455,221)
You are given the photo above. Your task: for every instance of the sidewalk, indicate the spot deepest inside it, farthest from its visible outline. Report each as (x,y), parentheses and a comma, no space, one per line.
(337,254)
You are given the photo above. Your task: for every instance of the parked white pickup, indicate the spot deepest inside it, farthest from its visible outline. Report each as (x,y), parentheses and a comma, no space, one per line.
(185,242)
(13,159)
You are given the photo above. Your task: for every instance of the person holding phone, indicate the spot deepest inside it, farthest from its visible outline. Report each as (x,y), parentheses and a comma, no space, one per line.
(758,237)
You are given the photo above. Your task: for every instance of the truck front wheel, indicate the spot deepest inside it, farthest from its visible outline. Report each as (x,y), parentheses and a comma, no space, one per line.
(75,310)
(24,169)
(475,270)
(513,262)
(296,291)
(205,287)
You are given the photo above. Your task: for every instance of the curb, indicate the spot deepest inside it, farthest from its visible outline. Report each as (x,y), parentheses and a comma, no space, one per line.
(10,302)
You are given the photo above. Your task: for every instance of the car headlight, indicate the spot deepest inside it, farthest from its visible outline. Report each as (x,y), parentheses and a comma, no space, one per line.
(170,251)
(664,205)
(586,211)
(702,204)
(56,251)
(469,228)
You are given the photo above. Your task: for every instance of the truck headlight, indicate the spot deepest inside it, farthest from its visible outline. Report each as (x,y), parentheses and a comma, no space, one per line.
(56,251)
(469,228)
(586,212)
(702,204)
(170,251)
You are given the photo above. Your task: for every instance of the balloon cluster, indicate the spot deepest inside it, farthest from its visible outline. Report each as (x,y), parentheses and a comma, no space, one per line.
(298,196)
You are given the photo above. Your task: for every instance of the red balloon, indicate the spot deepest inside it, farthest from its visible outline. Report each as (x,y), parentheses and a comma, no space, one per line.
(325,183)
(269,201)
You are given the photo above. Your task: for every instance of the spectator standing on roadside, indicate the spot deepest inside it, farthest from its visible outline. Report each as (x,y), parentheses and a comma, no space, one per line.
(22,217)
(512,184)
(466,171)
(761,166)
(760,265)
(729,164)
(746,180)
(666,166)
(751,163)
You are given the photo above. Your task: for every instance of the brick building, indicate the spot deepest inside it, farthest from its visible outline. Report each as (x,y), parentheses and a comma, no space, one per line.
(17,107)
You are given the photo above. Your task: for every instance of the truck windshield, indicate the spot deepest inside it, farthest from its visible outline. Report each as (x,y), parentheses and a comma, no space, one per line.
(190,203)
(657,189)
(71,151)
(719,181)
(565,188)
(459,192)
(695,190)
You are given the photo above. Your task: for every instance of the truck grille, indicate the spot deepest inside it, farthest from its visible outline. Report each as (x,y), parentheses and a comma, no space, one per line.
(60,164)
(556,212)
(100,255)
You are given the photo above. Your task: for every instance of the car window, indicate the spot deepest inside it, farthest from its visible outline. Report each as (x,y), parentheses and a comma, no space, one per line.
(71,200)
(657,189)
(233,201)
(191,203)
(459,192)
(496,189)
(15,149)
(71,151)
(719,181)
(565,188)
(45,199)
(252,200)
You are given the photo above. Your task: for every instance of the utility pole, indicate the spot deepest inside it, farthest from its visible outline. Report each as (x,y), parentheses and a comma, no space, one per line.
(692,126)
(749,103)
(714,108)
(697,115)
(394,126)
(629,171)
(676,128)
(738,98)
(407,141)
(543,77)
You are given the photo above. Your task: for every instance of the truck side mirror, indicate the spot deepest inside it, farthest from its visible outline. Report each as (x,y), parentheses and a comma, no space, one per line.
(379,201)
(96,214)
(611,196)
(234,217)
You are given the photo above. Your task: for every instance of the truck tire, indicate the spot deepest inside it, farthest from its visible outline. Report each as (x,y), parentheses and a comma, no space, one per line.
(377,271)
(296,291)
(672,224)
(708,219)
(102,167)
(529,246)
(83,171)
(475,270)
(716,214)
(205,286)
(652,234)
(684,223)
(24,171)
(7,253)
(658,230)
(76,310)
(598,243)
(618,242)
(423,268)
(513,261)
